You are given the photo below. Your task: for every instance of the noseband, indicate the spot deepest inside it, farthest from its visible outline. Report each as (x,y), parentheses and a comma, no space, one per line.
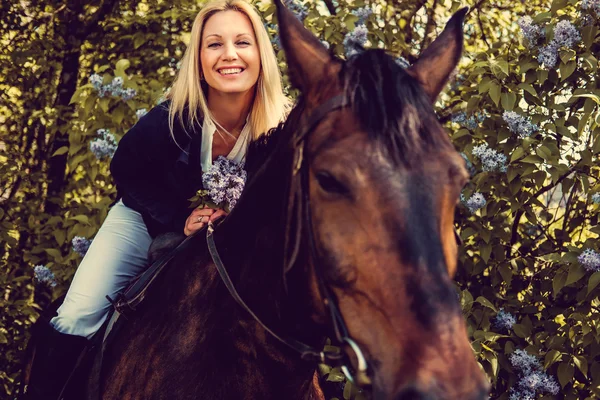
(300,193)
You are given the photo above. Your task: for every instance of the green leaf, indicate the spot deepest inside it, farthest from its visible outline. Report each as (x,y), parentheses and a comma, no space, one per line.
(60,151)
(576,272)
(558,5)
(122,65)
(485,251)
(508,101)
(594,97)
(528,88)
(565,373)
(81,218)
(593,282)
(581,363)
(347,391)
(495,92)
(485,302)
(558,282)
(517,154)
(567,69)
(55,253)
(552,357)
(521,331)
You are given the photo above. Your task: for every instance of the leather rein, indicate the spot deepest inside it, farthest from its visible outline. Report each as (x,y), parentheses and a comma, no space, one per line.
(301,193)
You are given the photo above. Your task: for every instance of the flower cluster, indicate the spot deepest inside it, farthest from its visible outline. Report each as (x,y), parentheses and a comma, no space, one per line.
(475,202)
(114,88)
(44,275)
(590,260)
(591,5)
(532,379)
(224,182)
(362,14)
(565,35)
(519,124)
(296,8)
(105,145)
(81,245)
(596,198)
(355,40)
(533,33)
(141,112)
(491,159)
(471,122)
(504,321)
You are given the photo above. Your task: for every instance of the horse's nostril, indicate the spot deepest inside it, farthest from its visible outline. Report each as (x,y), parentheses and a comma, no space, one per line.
(412,393)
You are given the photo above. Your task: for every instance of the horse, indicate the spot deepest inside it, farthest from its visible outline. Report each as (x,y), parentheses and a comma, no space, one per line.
(345,229)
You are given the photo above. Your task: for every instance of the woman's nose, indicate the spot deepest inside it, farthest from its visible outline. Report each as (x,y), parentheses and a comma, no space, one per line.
(230,52)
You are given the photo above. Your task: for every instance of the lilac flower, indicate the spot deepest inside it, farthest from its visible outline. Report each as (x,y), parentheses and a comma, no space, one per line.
(44,275)
(532,378)
(524,362)
(128,94)
(104,90)
(403,62)
(475,202)
(591,5)
(533,33)
(80,245)
(504,321)
(596,198)
(355,40)
(548,55)
(96,81)
(362,14)
(296,8)
(519,124)
(105,145)
(565,34)
(224,181)
(491,159)
(462,119)
(590,260)
(141,112)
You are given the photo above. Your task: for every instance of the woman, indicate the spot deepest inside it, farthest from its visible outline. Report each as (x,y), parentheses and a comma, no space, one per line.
(227,93)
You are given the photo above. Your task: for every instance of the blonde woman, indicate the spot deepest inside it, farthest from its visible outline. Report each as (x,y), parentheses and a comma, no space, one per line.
(227,93)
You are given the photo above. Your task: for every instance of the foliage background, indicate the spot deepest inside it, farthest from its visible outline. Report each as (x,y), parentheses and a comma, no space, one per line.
(520,250)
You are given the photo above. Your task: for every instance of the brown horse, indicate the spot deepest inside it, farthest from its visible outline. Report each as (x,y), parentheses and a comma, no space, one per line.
(345,229)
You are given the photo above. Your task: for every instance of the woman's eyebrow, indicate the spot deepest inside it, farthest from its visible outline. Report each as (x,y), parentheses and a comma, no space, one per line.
(219,36)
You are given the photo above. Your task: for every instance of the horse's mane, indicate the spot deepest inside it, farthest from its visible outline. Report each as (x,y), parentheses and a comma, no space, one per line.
(391,106)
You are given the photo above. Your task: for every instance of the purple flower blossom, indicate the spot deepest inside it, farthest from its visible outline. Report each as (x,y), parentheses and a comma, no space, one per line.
(81,245)
(355,40)
(44,275)
(532,379)
(470,122)
(96,81)
(296,8)
(224,181)
(105,145)
(491,159)
(524,362)
(475,202)
(533,33)
(141,112)
(590,260)
(504,321)
(596,198)
(591,5)
(362,14)
(519,124)
(128,94)
(565,34)
(548,55)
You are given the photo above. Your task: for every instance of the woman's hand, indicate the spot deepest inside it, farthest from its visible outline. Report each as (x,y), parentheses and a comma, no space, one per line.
(200,217)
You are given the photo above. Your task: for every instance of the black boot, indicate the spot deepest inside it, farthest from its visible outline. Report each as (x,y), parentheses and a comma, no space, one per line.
(55,357)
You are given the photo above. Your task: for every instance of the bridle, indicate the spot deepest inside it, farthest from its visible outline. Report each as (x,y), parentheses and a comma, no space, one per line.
(299,206)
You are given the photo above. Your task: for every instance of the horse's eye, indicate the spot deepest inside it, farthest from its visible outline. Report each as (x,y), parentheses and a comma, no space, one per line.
(329,184)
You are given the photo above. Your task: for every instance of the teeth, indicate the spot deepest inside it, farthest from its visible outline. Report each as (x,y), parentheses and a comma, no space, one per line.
(229,71)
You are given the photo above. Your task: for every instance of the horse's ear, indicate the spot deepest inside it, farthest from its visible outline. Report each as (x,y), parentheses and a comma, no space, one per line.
(436,63)
(307,58)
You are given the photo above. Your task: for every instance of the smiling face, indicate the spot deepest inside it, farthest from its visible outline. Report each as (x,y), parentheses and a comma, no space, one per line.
(229,53)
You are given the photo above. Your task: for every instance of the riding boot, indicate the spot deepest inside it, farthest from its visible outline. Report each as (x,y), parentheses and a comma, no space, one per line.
(56,355)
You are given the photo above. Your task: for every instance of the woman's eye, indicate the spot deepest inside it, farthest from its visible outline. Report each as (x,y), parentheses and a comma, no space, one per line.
(244,43)
(213,45)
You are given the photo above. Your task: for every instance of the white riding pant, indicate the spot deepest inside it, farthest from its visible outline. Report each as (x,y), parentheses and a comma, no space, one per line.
(117,254)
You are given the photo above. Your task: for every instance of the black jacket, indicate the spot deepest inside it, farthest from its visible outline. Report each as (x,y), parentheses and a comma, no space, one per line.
(156,176)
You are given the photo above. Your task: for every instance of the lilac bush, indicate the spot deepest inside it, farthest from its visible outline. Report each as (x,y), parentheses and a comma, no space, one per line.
(504,321)
(44,275)
(80,245)
(590,260)
(491,160)
(105,145)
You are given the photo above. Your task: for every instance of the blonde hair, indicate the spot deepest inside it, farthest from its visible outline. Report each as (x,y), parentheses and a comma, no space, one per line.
(270,105)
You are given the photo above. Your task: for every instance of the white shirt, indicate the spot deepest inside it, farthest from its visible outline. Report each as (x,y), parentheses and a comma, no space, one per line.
(237,154)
